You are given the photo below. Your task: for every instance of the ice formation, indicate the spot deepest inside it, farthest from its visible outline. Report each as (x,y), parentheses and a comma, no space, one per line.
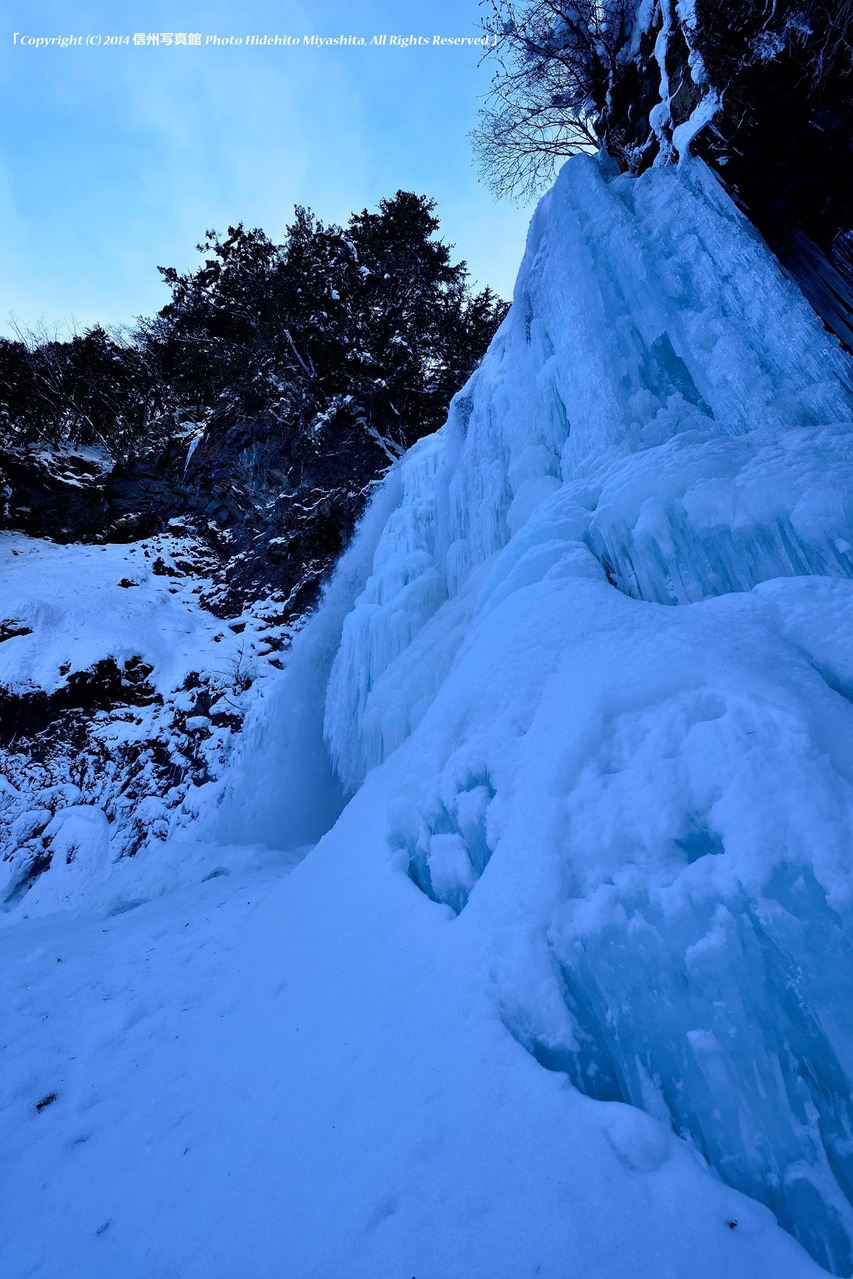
(645,809)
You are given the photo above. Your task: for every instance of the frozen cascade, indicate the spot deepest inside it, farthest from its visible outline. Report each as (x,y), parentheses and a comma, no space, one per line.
(660,391)
(638,816)
(663,796)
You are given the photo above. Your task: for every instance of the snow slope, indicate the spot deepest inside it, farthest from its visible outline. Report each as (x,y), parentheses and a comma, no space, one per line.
(118,690)
(567,979)
(76,605)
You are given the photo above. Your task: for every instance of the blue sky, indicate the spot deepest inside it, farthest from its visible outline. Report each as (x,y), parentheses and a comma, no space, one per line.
(118,159)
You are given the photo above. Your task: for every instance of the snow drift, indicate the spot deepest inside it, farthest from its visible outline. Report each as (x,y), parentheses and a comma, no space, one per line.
(567,976)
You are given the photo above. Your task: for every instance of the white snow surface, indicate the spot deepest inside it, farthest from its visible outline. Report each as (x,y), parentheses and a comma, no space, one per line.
(77,799)
(564,988)
(76,613)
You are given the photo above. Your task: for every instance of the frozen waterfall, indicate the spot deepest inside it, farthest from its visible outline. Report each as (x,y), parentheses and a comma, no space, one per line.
(641,814)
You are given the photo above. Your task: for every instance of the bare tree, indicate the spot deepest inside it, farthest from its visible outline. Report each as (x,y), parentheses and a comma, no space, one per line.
(832,22)
(573,75)
(555,61)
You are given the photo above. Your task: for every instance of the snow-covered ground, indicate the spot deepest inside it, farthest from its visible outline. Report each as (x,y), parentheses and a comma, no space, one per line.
(267,1075)
(571,970)
(119,691)
(80,604)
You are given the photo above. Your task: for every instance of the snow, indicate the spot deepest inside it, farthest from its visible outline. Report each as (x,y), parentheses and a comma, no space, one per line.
(515,939)
(66,461)
(232,1097)
(701,116)
(64,594)
(105,653)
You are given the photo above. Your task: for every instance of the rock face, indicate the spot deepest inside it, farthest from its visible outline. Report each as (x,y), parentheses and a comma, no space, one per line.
(279,517)
(272,520)
(764,94)
(78,494)
(47,493)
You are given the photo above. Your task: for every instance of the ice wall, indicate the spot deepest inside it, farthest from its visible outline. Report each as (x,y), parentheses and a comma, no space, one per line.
(661,387)
(643,813)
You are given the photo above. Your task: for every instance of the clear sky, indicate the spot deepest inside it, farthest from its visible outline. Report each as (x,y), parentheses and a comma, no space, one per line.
(116,159)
